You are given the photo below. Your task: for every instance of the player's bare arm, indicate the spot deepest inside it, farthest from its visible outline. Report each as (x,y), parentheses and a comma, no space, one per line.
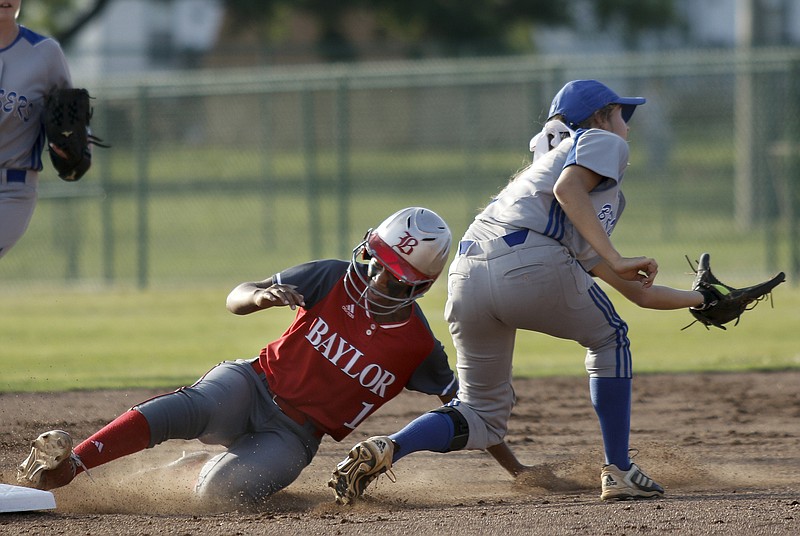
(255,296)
(503,454)
(653,297)
(572,192)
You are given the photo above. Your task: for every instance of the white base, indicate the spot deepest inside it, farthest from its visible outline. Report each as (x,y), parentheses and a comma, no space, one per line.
(21,499)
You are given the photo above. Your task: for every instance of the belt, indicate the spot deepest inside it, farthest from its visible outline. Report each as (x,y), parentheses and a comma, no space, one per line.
(290,411)
(13,175)
(297,416)
(511,239)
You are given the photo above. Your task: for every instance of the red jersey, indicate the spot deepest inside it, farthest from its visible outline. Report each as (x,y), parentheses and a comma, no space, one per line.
(337,365)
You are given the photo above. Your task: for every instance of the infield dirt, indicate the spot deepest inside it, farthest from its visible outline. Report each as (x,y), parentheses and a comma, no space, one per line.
(725,446)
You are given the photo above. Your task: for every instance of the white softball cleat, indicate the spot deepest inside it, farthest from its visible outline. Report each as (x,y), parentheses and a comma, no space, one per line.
(51,462)
(365,462)
(630,484)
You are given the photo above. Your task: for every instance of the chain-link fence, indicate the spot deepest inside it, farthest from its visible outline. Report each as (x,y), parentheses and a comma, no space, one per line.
(227,176)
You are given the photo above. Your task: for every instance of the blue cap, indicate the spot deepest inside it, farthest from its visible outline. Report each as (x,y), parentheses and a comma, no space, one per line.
(579,99)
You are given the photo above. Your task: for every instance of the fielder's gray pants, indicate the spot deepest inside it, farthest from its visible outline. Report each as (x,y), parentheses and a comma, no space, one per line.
(494,290)
(17,201)
(232,406)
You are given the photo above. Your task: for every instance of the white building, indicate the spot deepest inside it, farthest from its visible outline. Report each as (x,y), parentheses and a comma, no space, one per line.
(133,36)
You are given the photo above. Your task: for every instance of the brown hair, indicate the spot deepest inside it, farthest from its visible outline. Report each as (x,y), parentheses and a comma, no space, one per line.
(601,114)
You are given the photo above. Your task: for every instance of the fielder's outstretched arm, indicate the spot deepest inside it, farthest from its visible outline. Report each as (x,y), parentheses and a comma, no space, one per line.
(658,297)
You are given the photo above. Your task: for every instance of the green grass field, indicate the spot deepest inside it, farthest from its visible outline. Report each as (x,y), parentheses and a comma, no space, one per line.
(71,318)
(56,339)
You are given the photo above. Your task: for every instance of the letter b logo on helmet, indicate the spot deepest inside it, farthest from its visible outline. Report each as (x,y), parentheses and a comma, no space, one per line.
(413,243)
(407,244)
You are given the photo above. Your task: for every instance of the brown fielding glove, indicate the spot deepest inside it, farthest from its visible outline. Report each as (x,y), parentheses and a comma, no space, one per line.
(66,122)
(724,303)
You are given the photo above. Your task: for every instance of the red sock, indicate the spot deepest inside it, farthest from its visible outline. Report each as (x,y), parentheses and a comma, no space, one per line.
(125,435)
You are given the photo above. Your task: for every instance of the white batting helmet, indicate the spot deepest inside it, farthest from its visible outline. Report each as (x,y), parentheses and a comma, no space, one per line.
(413,244)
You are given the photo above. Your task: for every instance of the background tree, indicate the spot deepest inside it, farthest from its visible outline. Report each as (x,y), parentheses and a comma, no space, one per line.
(459,27)
(62,19)
(431,27)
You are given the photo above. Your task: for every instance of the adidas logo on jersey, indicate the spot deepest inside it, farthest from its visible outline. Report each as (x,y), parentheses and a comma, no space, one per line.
(350,310)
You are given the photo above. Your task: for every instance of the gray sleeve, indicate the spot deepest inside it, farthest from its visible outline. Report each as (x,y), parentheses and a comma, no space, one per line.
(64,78)
(57,68)
(603,152)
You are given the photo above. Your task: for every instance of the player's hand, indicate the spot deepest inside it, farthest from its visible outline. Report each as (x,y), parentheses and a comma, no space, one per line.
(641,269)
(280,295)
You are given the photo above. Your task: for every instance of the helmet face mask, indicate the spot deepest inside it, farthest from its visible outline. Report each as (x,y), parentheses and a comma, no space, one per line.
(395,288)
(405,255)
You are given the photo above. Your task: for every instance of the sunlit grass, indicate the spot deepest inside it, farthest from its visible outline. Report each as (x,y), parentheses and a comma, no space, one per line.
(55,339)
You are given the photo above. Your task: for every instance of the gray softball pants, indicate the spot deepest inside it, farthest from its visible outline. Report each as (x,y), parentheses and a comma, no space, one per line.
(232,406)
(495,289)
(17,202)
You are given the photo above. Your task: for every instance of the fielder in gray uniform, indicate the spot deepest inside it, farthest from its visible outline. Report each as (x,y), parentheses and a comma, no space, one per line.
(528,261)
(30,66)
